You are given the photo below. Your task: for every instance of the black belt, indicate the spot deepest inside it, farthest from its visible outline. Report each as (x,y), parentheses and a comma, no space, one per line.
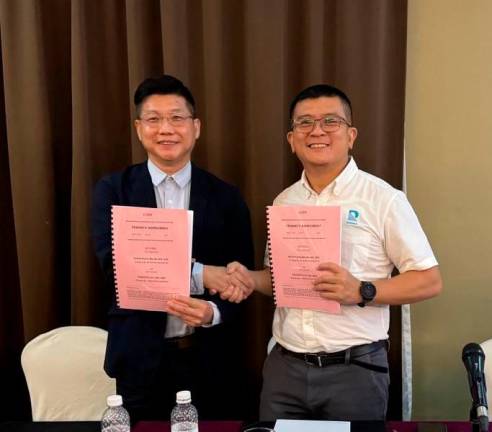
(348,356)
(181,342)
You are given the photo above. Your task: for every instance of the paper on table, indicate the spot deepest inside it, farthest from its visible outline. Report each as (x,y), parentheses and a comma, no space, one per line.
(311,426)
(151,255)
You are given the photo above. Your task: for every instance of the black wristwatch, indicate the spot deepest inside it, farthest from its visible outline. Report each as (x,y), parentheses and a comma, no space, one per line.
(367,291)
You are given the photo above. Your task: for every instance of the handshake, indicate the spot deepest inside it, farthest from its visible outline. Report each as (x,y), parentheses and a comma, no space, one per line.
(234,282)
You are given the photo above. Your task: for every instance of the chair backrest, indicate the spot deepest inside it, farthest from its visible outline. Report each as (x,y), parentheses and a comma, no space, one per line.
(487,349)
(65,375)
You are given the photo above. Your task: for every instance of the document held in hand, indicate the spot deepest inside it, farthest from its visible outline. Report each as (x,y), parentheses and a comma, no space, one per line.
(299,239)
(151,255)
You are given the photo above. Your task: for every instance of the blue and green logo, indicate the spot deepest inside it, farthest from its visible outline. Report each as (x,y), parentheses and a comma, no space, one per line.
(353,217)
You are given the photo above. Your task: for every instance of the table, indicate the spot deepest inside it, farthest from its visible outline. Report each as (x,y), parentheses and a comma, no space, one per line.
(219,426)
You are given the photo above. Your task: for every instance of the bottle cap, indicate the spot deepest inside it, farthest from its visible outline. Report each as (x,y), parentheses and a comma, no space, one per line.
(183,396)
(114,400)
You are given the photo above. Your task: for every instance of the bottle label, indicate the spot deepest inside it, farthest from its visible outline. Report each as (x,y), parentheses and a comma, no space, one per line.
(184,427)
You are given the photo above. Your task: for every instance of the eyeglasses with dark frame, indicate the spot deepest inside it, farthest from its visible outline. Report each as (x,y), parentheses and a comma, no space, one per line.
(154,121)
(328,124)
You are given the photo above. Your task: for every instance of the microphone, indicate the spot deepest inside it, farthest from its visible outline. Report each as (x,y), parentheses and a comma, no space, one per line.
(473,358)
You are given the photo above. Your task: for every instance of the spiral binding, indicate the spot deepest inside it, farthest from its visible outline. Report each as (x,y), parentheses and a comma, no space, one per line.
(115,277)
(270,256)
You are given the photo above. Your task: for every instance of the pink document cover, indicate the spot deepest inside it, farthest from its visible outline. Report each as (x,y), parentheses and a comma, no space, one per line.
(300,238)
(151,255)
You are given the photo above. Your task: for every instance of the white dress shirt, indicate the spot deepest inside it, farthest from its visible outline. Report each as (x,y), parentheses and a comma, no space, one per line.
(174,192)
(380,231)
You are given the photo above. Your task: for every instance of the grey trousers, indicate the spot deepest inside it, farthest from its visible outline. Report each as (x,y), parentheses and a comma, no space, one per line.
(293,389)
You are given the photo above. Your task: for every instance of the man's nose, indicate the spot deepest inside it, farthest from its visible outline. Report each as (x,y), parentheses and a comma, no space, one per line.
(165,126)
(317,129)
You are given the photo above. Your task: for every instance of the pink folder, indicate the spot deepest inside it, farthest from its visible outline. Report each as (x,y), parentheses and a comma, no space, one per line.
(299,239)
(151,255)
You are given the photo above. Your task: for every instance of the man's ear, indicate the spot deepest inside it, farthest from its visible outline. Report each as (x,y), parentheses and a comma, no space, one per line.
(197,125)
(353,132)
(290,139)
(138,125)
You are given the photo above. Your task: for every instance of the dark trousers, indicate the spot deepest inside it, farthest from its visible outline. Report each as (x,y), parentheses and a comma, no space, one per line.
(294,389)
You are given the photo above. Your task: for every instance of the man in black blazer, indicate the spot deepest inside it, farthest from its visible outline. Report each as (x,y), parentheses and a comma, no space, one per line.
(195,345)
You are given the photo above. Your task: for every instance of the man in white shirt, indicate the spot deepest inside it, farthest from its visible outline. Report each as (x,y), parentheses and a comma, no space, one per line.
(334,366)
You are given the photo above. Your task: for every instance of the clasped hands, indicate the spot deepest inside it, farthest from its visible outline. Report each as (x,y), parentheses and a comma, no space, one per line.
(233,283)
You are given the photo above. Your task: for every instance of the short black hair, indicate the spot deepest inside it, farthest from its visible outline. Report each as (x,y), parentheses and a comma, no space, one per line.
(163,85)
(322,90)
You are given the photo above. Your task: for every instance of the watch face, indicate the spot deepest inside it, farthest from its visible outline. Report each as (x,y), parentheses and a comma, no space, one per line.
(367,291)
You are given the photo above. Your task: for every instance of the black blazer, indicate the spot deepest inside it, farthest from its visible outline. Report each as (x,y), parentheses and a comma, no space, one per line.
(221,234)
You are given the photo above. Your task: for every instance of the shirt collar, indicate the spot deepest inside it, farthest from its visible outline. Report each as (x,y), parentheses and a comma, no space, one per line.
(337,185)
(181,177)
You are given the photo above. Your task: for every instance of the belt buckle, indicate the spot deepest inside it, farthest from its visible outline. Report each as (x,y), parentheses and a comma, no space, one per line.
(308,359)
(181,342)
(185,342)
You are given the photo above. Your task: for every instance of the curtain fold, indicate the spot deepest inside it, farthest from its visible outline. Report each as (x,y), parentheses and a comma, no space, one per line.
(101,125)
(69,70)
(144,50)
(31,161)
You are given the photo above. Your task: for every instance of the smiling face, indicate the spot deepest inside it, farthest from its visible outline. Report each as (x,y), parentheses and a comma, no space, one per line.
(169,147)
(319,149)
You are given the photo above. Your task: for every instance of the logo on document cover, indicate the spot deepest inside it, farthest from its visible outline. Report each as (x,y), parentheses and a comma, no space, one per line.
(353,217)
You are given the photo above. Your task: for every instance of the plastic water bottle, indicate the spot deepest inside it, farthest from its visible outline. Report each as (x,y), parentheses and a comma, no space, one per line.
(116,417)
(184,416)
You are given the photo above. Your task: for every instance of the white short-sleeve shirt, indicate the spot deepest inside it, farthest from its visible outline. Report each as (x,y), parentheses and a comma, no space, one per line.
(380,231)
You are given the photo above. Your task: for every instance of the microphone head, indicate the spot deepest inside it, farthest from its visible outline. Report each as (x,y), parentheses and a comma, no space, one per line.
(474,359)
(472,350)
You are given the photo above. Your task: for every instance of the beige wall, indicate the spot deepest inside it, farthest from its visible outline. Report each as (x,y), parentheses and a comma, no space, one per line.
(449,178)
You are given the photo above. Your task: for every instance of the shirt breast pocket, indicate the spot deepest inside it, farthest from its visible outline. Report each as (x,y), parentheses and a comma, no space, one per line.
(355,251)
